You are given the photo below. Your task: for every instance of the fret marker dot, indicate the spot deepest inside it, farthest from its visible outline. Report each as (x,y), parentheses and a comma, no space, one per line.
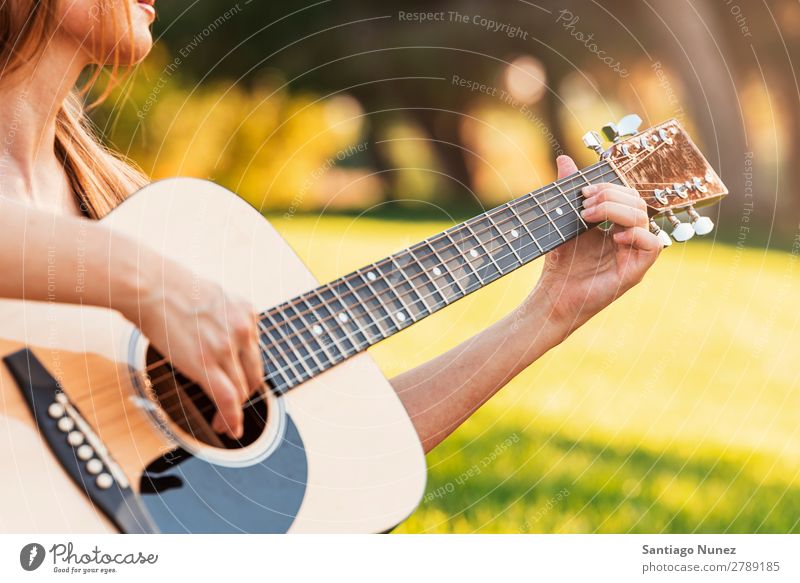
(317,329)
(437,272)
(343,318)
(559,211)
(371,276)
(514,233)
(473,253)
(401,316)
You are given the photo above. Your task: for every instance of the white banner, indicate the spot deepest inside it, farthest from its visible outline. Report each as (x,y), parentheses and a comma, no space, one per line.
(401,558)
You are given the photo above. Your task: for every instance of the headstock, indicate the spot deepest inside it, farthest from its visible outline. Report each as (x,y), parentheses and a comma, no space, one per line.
(666,168)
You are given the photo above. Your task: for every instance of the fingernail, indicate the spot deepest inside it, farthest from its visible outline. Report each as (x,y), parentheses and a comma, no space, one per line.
(589,202)
(587,213)
(590,190)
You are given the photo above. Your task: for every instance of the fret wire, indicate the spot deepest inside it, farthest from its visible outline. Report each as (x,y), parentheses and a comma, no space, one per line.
(390,286)
(337,323)
(298,332)
(349,314)
(504,234)
(284,355)
(585,226)
(511,207)
(408,280)
(434,280)
(551,222)
(275,362)
(367,313)
(328,329)
(481,244)
(461,289)
(314,336)
(524,225)
(377,296)
(466,262)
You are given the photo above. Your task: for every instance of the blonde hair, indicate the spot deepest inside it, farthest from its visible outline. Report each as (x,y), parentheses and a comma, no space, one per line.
(99,177)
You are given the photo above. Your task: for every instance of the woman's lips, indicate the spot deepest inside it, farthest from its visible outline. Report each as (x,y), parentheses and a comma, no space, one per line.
(147,6)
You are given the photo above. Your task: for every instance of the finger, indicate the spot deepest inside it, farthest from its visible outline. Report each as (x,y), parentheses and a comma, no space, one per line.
(566,166)
(597,193)
(226,397)
(248,355)
(253,366)
(620,214)
(232,365)
(638,238)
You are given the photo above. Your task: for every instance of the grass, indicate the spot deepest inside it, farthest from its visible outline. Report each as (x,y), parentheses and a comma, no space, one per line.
(675,410)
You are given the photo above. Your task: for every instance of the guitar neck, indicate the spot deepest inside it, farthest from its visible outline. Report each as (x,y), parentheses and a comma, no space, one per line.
(311,333)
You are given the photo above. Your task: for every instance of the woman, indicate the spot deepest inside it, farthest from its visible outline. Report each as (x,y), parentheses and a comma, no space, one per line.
(55,176)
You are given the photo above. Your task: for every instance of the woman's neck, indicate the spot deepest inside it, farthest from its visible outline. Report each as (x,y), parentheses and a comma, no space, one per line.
(29,168)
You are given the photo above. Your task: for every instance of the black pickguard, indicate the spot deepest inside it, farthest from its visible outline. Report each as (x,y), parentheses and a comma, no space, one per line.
(186,494)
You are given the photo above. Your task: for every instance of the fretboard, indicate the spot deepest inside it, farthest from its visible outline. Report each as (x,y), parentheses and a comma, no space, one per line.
(309,334)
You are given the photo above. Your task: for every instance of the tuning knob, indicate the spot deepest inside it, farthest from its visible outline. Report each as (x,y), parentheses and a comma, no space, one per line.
(681,232)
(592,141)
(610,131)
(629,125)
(660,233)
(701,225)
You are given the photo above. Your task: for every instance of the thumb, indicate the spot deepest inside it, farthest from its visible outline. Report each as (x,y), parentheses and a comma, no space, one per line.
(566,166)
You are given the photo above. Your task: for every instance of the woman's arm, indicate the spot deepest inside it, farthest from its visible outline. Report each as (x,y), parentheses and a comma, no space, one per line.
(579,279)
(207,335)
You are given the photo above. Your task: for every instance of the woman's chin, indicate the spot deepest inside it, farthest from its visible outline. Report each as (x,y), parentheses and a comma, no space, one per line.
(132,54)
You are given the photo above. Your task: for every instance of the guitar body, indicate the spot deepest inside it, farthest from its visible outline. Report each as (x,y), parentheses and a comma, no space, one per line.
(335,454)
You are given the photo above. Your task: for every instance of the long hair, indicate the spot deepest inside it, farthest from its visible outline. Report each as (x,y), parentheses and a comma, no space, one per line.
(99,177)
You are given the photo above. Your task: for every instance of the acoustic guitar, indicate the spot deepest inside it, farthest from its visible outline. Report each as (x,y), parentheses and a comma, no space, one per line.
(98,433)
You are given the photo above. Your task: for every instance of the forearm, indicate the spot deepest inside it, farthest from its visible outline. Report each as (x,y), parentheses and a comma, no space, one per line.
(440,394)
(47,257)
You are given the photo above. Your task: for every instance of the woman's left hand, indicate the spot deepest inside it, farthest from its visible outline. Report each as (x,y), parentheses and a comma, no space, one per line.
(584,275)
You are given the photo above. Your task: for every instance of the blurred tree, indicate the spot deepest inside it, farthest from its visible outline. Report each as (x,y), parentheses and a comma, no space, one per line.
(721,61)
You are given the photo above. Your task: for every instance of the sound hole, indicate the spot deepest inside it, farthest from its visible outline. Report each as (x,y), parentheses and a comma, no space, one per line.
(187,405)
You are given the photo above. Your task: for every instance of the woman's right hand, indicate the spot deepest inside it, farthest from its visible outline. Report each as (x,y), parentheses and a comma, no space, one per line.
(209,336)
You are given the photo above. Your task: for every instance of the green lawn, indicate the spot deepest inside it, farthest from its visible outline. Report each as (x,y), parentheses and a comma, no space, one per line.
(675,410)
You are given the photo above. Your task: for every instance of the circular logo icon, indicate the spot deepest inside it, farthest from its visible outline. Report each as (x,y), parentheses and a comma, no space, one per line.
(31,556)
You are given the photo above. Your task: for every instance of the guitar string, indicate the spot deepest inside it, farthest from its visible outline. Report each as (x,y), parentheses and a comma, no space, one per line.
(336,344)
(283,370)
(420,300)
(179,407)
(297,318)
(555,185)
(333,345)
(488,214)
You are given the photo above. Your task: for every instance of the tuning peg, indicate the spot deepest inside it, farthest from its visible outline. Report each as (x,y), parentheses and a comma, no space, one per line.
(701,225)
(681,232)
(680,189)
(660,233)
(610,131)
(629,125)
(592,141)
